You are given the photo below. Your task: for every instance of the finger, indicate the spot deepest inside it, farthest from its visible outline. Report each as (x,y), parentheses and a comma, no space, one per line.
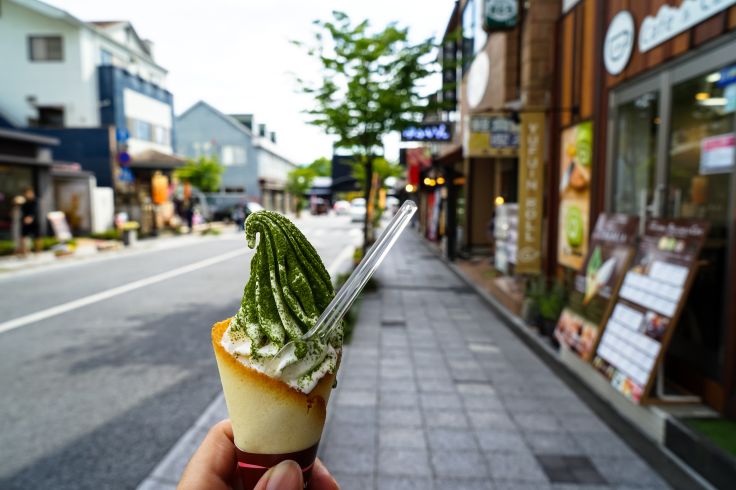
(321,478)
(287,475)
(213,464)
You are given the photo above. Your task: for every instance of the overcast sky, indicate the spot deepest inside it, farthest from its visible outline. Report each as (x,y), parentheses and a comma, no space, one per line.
(236,55)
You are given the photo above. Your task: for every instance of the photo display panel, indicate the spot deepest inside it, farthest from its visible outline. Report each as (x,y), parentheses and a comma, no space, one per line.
(610,251)
(649,302)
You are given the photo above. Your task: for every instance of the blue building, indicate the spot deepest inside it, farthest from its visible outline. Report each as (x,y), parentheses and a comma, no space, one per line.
(254,167)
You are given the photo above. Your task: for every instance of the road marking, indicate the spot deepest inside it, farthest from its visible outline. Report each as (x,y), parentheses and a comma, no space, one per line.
(116,291)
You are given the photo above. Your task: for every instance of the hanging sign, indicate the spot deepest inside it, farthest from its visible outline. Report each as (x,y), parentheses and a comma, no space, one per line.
(671,21)
(619,42)
(575,171)
(649,303)
(492,135)
(501,14)
(531,185)
(717,154)
(440,132)
(611,248)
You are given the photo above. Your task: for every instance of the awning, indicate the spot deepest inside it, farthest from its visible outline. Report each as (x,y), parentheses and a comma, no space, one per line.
(156,160)
(450,155)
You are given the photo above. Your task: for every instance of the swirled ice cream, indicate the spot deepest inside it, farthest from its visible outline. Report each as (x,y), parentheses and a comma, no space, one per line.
(277,404)
(288,289)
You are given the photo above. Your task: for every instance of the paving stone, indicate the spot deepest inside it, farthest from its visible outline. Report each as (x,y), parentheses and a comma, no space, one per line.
(515,467)
(402,417)
(500,440)
(482,402)
(353,482)
(583,424)
(520,485)
(487,419)
(355,398)
(402,385)
(436,385)
(552,443)
(602,444)
(536,422)
(475,388)
(459,464)
(403,462)
(404,483)
(398,399)
(627,471)
(354,461)
(397,437)
(577,470)
(454,484)
(353,415)
(172,466)
(447,418)
(440,400)
(451,440)
(348,434)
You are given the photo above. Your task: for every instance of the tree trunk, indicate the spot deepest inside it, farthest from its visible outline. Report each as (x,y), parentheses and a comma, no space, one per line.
(368,221)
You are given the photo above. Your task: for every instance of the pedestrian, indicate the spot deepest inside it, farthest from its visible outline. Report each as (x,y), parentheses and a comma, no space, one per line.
(29,222)
(214,464)
(189,213)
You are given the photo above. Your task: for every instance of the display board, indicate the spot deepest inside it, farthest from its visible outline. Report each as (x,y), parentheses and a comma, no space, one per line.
(611,248)
(649,303)
(505,235)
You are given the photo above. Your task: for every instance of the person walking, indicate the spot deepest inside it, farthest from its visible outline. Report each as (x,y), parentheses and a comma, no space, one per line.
(29,223)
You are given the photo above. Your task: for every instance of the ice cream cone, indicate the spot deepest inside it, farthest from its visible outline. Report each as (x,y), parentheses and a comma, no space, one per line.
(271,421)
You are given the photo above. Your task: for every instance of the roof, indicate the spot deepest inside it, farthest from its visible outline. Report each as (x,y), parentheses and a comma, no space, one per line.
(57,13)
(154,159)
(18,135)
(228,119)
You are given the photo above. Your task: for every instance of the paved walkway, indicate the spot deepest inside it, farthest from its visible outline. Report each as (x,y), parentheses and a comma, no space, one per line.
(435,392)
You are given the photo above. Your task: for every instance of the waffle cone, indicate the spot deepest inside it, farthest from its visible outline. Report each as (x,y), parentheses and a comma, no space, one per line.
(268,416)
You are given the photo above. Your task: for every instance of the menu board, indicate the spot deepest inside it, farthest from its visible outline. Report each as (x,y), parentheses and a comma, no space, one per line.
(611,248)
(649,303)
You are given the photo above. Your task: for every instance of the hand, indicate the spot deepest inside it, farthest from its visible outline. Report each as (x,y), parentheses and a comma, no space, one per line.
(214,463)
(28,220)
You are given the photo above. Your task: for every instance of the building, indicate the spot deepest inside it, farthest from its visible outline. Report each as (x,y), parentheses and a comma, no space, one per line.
(254,166)
(97,88)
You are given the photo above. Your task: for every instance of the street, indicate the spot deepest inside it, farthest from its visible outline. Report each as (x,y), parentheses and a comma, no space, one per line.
(98,389)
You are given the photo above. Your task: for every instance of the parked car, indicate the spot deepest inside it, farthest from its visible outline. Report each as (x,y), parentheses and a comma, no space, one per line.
(319,206)
(341,208)
(227,207)
(357,209)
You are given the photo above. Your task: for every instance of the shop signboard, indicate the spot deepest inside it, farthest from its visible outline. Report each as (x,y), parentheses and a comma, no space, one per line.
(649,304)
(717,154)
(671,21)
(59,225)
(492,135)
(501,14)
(619,42)
(439,132)
(531,198)
(575,172)
(611,248)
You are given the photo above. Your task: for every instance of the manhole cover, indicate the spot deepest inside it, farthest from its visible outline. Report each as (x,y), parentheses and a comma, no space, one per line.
(570,469)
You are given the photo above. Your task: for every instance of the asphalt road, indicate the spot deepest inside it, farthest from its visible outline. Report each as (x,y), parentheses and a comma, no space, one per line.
(93,396)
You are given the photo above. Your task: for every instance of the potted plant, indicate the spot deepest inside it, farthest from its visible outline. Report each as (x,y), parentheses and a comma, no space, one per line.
(550,308)
(130,232)
(535,289)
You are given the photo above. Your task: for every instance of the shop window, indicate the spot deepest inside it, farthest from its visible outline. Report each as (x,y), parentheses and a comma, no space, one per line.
(637,128)
(45,48)
(13,181)
(48,117)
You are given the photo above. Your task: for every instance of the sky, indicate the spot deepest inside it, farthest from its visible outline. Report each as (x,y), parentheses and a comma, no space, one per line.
(236,54)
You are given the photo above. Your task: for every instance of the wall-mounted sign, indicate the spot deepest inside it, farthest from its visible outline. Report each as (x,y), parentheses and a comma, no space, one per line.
(122,135)
(717,154)
(619,42)
(477,79)
(568,5)
(671,21)
(611,247)
(650,300)
(492,135)
(501,14)
(448,94)
(441,132)
(531,185)
(575,171)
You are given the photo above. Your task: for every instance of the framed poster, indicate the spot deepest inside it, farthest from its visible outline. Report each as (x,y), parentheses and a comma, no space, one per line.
(611,249)
(491,135)
(649,303)
(575,173)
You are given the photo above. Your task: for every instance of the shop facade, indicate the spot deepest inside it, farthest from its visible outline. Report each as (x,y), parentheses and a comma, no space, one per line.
(646,128)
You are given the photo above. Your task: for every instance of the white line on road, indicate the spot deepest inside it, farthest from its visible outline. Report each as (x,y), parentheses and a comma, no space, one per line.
(116,291)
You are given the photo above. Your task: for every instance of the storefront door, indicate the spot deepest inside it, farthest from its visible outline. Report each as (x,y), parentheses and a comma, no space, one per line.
(673,152)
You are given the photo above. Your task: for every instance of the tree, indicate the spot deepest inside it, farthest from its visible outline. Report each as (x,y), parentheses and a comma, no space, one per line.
(298,182)
(370,86)
(321,167)
(204,173)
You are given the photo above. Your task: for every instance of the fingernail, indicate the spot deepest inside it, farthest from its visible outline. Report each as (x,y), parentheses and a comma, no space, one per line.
(287,475)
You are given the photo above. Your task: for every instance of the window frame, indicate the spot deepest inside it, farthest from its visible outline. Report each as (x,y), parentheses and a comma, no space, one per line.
(32,37)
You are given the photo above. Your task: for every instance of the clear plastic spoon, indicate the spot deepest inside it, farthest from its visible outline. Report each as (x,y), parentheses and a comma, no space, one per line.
(348,293)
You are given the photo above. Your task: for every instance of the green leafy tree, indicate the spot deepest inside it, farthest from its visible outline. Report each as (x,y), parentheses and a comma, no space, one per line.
(298,182)
(370,86)
(321,167)
(204,173)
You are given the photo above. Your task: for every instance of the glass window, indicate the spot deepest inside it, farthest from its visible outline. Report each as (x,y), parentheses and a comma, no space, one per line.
(105,57)
(45,48)
(13,181)
(474,37)
(637,128)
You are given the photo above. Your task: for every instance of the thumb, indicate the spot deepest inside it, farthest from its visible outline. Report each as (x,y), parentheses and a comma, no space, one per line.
(287,475)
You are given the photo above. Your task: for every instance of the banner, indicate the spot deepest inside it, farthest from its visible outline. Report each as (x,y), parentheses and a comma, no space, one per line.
(575,171)
(531,185)
(491,135)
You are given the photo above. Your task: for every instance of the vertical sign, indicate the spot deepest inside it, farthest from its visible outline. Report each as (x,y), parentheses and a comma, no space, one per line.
(531,175)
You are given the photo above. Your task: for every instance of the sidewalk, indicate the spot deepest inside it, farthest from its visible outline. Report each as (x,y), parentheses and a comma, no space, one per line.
(435,392)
